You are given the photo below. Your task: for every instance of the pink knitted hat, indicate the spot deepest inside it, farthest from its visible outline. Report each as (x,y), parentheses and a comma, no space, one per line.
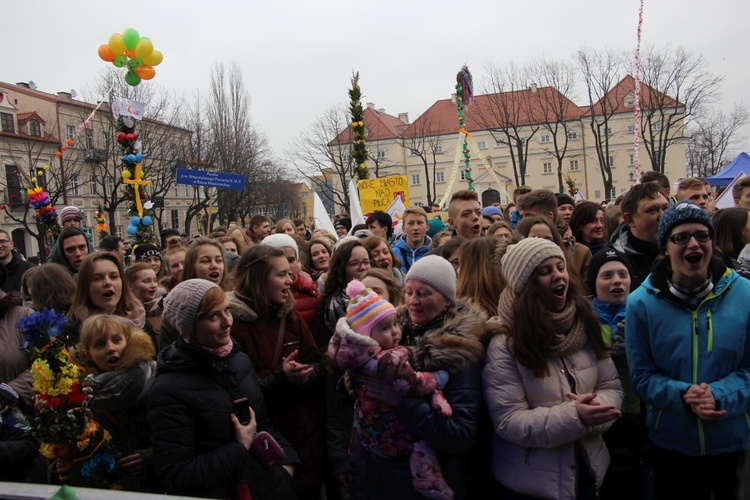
(366,308)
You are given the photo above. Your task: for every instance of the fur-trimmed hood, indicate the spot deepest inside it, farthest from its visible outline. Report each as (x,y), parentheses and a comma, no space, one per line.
(455,344)
(349,349)
(241,311)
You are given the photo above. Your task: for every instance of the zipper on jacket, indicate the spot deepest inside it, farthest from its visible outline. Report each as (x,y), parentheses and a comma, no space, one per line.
(710,326)
(696,339)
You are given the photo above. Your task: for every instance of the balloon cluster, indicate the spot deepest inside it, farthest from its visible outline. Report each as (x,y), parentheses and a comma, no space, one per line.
(64,147)
(131,50)
(141,222)
(39,200)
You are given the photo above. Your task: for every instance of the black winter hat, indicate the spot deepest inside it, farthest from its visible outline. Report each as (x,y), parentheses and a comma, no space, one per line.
(598,260)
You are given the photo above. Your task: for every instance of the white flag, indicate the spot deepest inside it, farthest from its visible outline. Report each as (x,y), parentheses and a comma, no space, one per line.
(127,107)
(579,196)
(726,199)
(396,211)
(355,209)
(320,216)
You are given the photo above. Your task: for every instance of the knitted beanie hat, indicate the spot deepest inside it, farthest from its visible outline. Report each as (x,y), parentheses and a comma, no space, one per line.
(366,308)
(683,212)
(281,240)
(521,259)
(492,210)
(598,260)
(344,221)
(436,272)
(181,305)
(564,199)
(70,213)
(435,226)
(145,250)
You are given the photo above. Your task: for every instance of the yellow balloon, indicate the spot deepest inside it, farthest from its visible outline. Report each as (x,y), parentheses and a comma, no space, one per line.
(154,59)
(144,48)
(117,44)
(126,174)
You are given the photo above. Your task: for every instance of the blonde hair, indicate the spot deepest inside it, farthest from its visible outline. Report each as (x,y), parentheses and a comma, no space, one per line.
(99,326)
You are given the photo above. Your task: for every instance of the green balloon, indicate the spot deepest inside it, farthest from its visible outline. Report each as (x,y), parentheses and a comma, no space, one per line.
(120,61)
(131,38)
(134,63)
(132,79)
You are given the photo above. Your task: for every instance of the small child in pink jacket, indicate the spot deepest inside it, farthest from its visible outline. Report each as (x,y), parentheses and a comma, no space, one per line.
(360,342)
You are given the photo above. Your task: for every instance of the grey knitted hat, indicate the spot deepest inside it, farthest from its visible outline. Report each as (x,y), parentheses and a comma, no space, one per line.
(280,240)
(522,258)
(181,305)
(436,272)
(682,213)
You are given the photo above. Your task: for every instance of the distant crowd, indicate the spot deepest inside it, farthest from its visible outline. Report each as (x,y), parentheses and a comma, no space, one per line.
(548,348)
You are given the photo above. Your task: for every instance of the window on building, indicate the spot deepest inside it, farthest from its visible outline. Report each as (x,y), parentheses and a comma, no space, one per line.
(175,218)
(75,184)
(631,160)
(574,166)
(438,149)
(70,131)
(176,190)
(606,131)
(118,231)
(439,177)
(305,194)
(6,119)
(630,102)
(545,138)
(463,174)
(657,157)
(110,185)
(418,204)
(482,144)
(611,162)
(35,129)
(90,143)
(381,154)
(13,184)
(500,143)
(656,126)
(345,158)
(631,129)
(415,179)
(572,135)
(105,139)
(413,152)
(547,167)
(523,140)
(93,189)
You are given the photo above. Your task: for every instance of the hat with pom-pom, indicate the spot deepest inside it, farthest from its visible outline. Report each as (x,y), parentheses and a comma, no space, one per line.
(366,308)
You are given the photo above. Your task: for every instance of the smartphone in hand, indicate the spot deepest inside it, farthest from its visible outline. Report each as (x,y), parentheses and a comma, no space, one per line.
(242,410)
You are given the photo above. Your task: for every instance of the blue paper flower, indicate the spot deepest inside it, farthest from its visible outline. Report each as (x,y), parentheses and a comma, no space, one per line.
(41,326)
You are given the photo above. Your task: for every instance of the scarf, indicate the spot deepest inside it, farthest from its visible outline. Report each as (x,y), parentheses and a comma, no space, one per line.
(220,352)
(691,296)
(570,335)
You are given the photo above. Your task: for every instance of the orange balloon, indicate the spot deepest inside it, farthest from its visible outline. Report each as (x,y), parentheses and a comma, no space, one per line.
(130,53)
(145,71)
(105,53)
(58,154)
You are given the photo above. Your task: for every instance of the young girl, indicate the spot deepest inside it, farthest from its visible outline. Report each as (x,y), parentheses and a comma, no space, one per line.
(317,256)
(142,280)
(550,387)
(150,254)
(205,260)
(121,357)
(174,260)
(284,355)
(367,339)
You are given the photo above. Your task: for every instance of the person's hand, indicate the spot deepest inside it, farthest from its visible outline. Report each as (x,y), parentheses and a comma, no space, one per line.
(591,412)
(702,402)
(131,462)
(381,390)
(289,469)
(297,373)
(245,434)
(349,382)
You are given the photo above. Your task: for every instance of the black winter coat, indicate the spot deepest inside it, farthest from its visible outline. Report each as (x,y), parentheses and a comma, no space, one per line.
(191,431)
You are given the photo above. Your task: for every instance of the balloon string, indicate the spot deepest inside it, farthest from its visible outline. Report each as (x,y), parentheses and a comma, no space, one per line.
(637,117)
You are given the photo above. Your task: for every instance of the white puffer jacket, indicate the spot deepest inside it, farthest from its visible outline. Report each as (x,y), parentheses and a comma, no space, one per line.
(537,426)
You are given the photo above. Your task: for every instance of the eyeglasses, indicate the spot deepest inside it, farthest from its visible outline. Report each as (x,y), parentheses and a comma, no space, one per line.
(356,264)
(684,238)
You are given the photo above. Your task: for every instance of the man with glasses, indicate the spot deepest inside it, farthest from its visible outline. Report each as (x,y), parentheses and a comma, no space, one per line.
(642,208)
(688,349)
(415,243)
(14,264)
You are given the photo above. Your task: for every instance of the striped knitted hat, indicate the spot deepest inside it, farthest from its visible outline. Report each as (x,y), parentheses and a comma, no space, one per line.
(366,308)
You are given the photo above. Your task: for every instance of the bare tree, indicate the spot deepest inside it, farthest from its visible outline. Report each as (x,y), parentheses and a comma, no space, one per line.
(203,196)
(508,115)
(712,138)
(421,140)
(676,86)
(322,147)
(553,107)
(601,71)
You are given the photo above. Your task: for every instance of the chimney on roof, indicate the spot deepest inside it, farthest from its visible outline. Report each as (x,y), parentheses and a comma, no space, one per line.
(404,117)
(533,88)
(371,105)
(381,110)
(453,97)
(65,94)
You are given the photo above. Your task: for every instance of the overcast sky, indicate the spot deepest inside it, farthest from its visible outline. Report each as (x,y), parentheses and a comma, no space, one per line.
(297,56)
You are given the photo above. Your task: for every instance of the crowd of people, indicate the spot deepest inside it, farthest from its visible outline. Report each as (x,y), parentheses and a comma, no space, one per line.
(544,349)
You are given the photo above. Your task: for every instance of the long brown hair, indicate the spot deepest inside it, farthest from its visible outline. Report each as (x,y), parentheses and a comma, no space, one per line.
(188,270)
(51,286)
(534,332)
(306,254)
(128,301)
(729,224)
(251,278)
(336,279)
(479,280)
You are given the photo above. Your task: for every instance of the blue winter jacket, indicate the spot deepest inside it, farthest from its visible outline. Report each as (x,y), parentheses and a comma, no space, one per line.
(407,256)
(671,346)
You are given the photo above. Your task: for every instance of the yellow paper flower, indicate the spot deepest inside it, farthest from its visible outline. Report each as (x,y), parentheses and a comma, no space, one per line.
(46,167)
(47,450)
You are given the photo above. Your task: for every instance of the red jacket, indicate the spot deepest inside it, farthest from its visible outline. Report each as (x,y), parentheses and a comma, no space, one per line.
(306,299)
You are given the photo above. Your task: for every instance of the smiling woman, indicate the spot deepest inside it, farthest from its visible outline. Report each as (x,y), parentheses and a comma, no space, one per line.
(687,334)
(283,353)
